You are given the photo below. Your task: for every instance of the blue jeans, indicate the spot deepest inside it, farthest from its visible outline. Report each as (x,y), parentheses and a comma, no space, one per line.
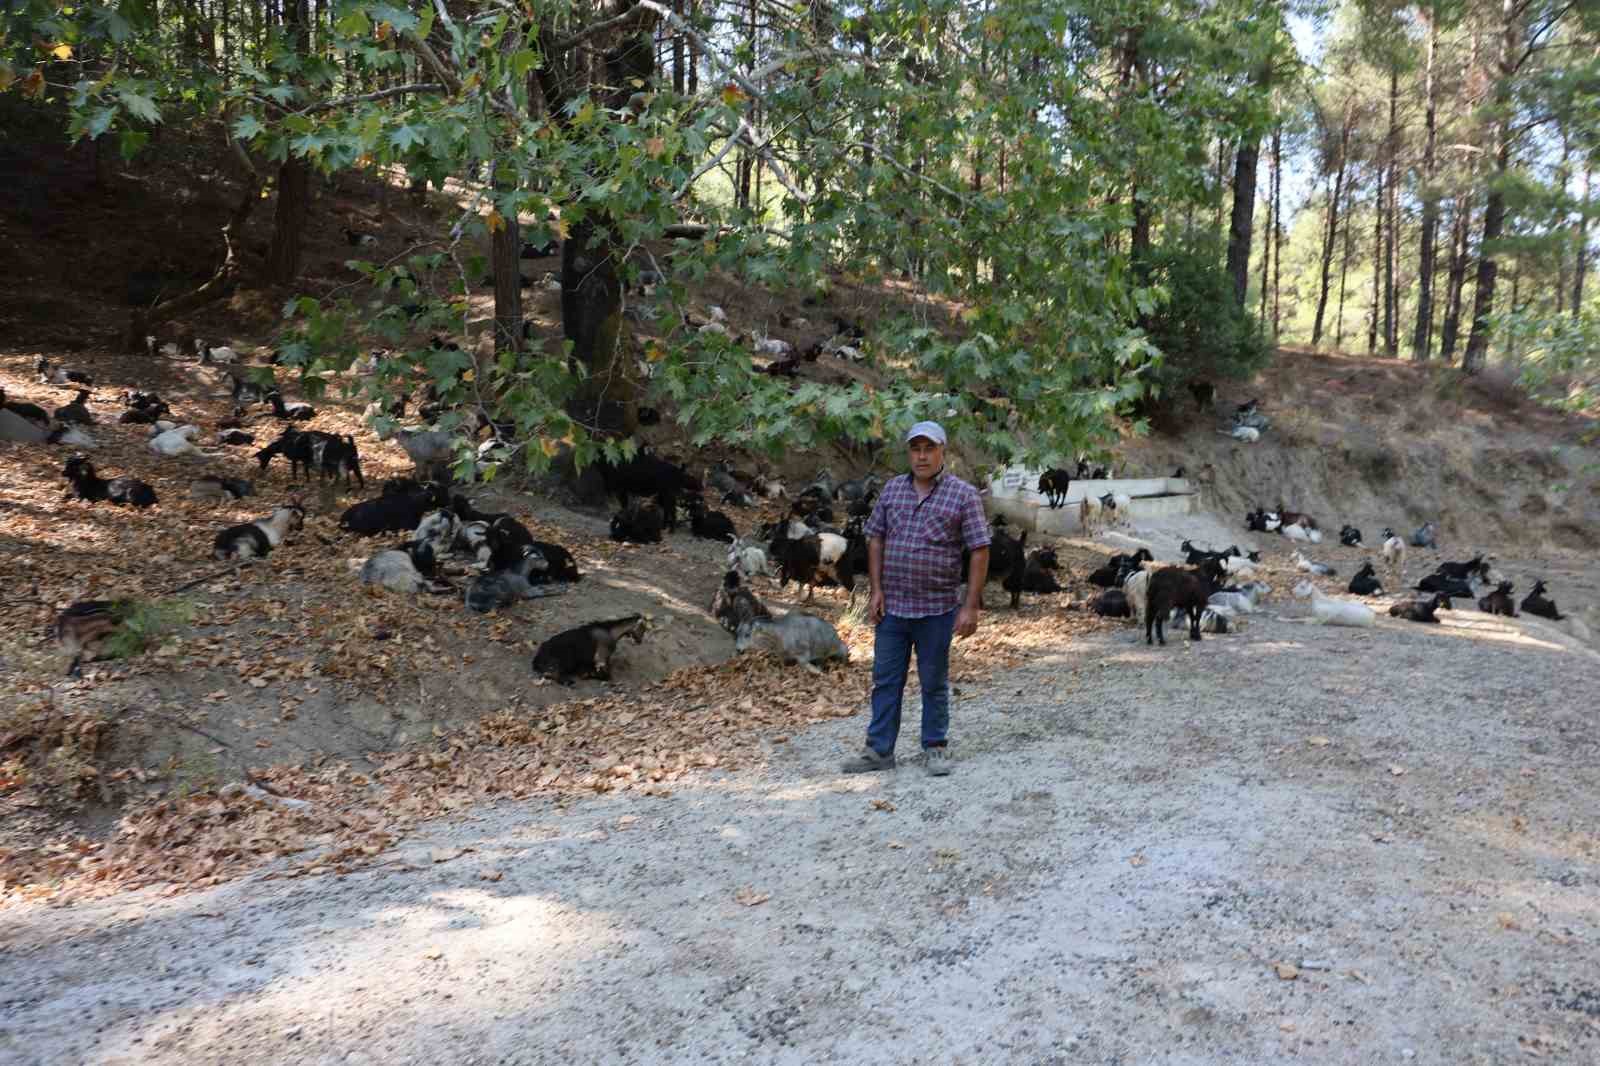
(891,658)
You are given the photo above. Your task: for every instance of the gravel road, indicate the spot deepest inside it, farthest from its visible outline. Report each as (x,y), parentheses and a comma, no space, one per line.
(1351,846)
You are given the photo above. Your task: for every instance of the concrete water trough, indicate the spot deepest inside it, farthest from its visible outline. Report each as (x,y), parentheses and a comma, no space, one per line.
(1012,494)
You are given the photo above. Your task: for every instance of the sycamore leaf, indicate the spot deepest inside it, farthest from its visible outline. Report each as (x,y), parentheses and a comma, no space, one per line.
(246,127)
(62,51)
(404,137)
(496,222)
(140,105)
(733,96)
(654,147)
(33,84)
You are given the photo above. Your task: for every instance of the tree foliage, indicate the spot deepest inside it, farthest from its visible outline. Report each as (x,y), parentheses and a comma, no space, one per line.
(1006,156)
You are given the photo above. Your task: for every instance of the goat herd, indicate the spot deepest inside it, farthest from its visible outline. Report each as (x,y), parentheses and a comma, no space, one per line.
(1203,594)
(504,563)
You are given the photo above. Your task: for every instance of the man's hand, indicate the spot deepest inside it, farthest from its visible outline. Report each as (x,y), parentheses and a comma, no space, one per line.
(875,608)
(966,622)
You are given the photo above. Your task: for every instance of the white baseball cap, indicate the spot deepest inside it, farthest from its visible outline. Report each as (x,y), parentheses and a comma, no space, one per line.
(932,430)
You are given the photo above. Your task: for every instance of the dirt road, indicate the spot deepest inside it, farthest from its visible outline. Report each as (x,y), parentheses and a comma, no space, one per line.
(1355,846)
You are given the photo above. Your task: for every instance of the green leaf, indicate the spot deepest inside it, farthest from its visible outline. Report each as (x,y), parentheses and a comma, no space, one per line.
(139,105)
(404,137)
(247,126)
(131,143)
(354,24)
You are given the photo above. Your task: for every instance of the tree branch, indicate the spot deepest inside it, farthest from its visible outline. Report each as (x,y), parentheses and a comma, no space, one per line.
(398,90)
(960,197)
(633,14)
(713,161)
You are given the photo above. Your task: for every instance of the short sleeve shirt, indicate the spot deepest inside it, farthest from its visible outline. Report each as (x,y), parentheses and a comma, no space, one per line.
(923,540)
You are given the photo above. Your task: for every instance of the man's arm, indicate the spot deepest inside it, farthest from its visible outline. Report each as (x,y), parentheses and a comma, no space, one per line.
(875,576)
(977,573)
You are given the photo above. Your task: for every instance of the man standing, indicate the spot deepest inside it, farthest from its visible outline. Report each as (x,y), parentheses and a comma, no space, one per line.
(915,538)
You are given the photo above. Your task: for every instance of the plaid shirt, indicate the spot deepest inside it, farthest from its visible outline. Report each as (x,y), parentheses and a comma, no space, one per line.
(923,541)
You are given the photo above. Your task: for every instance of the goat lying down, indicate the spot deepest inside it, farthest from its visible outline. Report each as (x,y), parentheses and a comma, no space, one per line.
(586,650)
(85,629)
(255,540)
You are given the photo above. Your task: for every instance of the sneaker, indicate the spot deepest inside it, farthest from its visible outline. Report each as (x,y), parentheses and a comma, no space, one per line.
(938,762)
(868,761)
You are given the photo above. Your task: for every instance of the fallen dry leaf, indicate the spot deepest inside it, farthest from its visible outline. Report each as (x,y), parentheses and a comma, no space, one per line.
(749,897)
(1137,860)
(882,805)
(1320,742)
(1396,769)
(1286,971)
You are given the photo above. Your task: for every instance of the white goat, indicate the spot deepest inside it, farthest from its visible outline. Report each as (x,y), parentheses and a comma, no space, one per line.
(176,441)
(1330,611)
(1394,551)
(1137,589)
(1244,434)
(749,558)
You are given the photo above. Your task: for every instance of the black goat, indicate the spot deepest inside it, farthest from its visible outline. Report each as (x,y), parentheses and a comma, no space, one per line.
(22,409)
(1349,536)
(1474,565)
(76,411)
(1204,393)
(92,488)
(1536,604)
(397,511)
(638,523)
(1420,610)
(710,525)
(1172,588)
(337,456)
(1446,586)
(586,650)
(647,475)
(1112,603)
(1499,601)
(1010,557)
(1054,484)
(1039,575)
(1365,582)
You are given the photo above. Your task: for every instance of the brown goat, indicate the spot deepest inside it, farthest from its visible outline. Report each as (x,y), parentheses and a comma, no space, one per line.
(1170,588)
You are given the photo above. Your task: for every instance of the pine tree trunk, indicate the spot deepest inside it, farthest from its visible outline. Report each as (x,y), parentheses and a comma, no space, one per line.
(1494,212)
(1266,247)
(294,177)
(1377,266)
(1241,223)
(1332,229)
(1422,333)
(1344,273)
(591,288)
(1277,230)
(1388,211)
(677,51)
(288,221)
(1581,244)
(1456,280)
(506,249)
